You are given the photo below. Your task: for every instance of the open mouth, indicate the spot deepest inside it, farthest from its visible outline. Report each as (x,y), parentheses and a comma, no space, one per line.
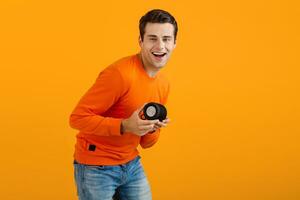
(159,55)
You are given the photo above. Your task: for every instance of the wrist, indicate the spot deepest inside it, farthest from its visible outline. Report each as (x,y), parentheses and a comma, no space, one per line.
(123,126)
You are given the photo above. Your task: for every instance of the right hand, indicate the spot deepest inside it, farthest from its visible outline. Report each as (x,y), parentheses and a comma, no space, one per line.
(136,125)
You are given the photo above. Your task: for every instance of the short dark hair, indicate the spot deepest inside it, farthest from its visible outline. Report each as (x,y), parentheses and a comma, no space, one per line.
(157,16)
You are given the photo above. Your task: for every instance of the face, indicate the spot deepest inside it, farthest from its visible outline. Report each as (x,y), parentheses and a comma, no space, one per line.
(157,46)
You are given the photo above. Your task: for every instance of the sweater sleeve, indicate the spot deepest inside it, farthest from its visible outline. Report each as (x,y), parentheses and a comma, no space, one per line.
(149,139)
(88,114)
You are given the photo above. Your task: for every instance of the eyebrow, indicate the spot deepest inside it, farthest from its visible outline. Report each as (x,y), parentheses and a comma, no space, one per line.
(151,35)
(166,36)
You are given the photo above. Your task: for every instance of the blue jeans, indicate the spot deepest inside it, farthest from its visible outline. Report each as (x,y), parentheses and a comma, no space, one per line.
(120,182)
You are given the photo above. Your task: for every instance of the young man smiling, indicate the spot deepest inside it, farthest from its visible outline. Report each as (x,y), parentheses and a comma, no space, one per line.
(106,159)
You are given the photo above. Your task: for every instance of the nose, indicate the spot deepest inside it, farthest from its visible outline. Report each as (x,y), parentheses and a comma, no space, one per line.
(160,44)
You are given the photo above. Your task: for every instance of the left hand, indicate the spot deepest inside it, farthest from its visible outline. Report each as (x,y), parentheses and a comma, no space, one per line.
(160,124)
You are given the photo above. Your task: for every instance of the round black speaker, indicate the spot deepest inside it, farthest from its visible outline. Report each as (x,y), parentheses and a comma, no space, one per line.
(152,111)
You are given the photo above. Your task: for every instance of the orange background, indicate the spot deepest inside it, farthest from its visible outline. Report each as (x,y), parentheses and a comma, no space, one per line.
(234,102)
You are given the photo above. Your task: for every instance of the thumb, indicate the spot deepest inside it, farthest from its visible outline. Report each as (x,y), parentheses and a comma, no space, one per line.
(140,111)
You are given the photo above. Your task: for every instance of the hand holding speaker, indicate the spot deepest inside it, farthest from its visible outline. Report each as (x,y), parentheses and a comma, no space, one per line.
(148,119)
(152,111)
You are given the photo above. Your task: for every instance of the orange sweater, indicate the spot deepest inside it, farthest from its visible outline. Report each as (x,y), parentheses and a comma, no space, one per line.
(119,90)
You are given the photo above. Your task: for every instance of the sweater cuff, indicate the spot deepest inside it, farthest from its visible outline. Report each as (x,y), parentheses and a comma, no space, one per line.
(116,127)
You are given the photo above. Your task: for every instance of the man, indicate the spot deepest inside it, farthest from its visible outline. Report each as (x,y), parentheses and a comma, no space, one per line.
(106,159)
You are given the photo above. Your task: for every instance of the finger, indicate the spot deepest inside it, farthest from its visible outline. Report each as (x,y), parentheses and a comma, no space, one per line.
(156,127)
(164,122)
(146,127)
(167,120)
(148,122)
(161,124)
(137,113)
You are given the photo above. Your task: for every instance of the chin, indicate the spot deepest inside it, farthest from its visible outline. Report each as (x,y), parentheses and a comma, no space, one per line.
(159,65)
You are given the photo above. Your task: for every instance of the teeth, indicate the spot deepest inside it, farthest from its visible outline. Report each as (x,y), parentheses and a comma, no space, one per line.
(158,54)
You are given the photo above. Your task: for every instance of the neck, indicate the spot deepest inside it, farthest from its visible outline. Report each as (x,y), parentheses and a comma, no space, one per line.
(150,70)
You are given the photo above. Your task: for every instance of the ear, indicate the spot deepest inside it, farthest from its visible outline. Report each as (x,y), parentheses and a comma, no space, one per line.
(140,41)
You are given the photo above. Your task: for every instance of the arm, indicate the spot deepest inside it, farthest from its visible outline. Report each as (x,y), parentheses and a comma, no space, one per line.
(151,138)
(87,115)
